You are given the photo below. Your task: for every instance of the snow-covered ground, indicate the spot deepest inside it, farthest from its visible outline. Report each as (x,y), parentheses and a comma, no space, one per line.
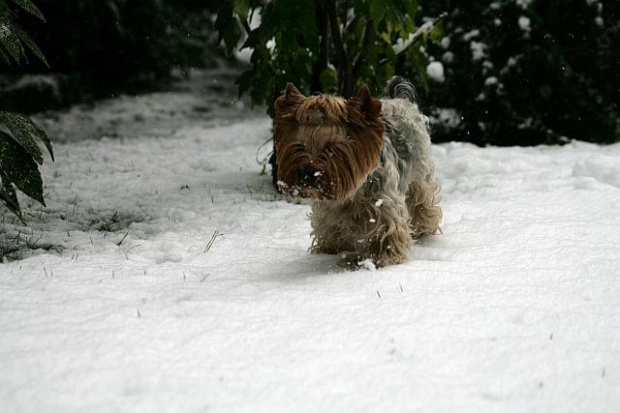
(167,276)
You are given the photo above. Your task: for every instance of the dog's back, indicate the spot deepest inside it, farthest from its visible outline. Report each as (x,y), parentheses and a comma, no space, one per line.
(407,141)
(407,158)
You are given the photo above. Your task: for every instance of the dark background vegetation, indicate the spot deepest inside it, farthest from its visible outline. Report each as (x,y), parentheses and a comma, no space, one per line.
(559,80)
(556,81)
(98,48)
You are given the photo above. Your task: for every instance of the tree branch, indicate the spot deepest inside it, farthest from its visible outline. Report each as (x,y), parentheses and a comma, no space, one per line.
(341,54)
(417,36)
(321,63)
(370,35)
(343,64)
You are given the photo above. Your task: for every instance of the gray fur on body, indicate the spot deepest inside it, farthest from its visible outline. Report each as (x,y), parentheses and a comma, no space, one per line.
(396,203)
(407,144)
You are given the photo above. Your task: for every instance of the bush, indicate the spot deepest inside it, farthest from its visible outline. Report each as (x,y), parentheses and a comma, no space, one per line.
(321,45)
(527,72)
(113,42)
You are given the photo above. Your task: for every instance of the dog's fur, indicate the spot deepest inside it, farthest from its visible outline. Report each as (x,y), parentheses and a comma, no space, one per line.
(366,165)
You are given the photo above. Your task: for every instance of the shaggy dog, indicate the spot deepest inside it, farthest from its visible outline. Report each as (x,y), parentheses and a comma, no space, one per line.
(366,165)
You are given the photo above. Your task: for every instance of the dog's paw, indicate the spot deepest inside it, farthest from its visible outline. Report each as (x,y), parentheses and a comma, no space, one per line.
(355,261)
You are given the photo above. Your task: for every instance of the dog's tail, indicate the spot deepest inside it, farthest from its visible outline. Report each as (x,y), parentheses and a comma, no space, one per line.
(398,87)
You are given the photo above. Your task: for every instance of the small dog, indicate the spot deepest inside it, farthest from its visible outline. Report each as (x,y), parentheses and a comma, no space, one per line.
(366,165)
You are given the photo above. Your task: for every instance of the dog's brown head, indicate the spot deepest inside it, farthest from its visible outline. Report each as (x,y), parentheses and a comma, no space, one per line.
(326,146)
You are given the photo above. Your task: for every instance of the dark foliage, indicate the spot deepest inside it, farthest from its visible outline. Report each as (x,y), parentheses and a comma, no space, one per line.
(111,42)
(547,71)
(20,157)
(330,46)
(20,154)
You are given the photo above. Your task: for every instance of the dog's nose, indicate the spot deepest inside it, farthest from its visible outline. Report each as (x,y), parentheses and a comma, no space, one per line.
(307,177)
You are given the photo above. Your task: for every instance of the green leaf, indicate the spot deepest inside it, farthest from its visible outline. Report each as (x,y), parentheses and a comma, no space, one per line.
(329,80)
(9,39)
(377,11)
(5,58)
(30,8)
(227,26)
(24,131)
(17,167)
(438,32)
(13,38)
(245,81)
(9,198)
(242,8)
(410,7)
(403,13)
(23,36)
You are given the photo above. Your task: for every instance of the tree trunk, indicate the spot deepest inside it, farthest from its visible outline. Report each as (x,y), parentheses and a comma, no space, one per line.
(343,65)
(321,63)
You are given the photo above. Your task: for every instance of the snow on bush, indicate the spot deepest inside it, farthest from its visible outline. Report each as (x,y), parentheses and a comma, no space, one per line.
(434,70)
(561,72)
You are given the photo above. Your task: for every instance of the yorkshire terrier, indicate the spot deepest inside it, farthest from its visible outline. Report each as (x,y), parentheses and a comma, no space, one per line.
(366,165)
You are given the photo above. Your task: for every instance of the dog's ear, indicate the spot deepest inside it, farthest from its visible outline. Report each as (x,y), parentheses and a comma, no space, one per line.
(364,104)
(291,97)
(292,93)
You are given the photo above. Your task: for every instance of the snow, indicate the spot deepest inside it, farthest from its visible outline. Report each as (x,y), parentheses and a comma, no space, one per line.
(435,71)
(471,34)
(490,81)
(445,42)
(171,277)
(402,44)
(524,3)
(524,23)
(448,57)
(602,170)
(450,117)
(478,50)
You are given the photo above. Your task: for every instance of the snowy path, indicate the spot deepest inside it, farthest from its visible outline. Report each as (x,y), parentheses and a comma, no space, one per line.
(515,308)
